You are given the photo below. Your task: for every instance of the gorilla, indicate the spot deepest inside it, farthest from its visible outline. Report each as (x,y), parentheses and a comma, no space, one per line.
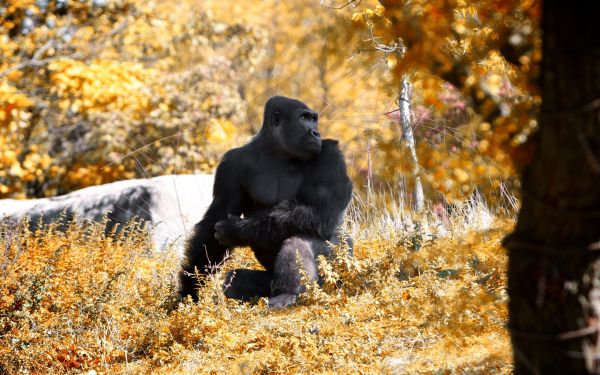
(292,189)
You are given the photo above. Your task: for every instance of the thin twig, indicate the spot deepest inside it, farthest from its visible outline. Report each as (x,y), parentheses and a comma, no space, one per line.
(142,148)
(36,63)
(351,2)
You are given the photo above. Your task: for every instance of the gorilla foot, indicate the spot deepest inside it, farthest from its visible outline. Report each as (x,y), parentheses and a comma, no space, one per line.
(282,300)
(247,285)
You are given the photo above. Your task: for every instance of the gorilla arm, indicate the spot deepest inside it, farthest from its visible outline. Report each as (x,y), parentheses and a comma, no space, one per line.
(318,210)
(202,249)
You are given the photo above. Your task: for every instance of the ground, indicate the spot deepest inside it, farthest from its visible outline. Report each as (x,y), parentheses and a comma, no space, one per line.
(83,302)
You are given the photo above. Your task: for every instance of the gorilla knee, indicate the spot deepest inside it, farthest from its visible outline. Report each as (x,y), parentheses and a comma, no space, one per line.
(294,254)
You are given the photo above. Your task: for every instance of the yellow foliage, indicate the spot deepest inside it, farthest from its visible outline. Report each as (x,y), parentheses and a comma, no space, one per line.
(80,301)
(12,102)
(358,17)
(127,83)
(219,131)
(392,60)
(166,87)
(89,175)
(102,86)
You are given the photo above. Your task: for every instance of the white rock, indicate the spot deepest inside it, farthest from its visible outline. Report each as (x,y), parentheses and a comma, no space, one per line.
(172,204)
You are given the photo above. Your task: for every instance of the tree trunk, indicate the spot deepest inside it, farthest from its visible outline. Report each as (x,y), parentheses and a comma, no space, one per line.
(554,262)
(404,107)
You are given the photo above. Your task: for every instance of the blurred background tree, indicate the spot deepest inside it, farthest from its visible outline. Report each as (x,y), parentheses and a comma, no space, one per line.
(95,91)
(553,267)
(474,68)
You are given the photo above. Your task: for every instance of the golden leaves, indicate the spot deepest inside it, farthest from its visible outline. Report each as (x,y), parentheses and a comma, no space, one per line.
(78,175)
(137,81)
(11,102)
(392,61)
(83,301)
(368,14)
(357,17)
(220,130)
(102,85)
(460,175)
(15,170)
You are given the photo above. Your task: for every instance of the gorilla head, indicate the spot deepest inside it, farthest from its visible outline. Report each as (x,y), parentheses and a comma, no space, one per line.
(292,127)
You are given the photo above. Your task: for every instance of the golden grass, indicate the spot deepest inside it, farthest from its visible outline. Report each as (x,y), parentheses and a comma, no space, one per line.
(80,301)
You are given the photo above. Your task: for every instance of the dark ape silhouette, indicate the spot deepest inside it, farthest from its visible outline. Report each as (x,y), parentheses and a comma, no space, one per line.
(292,189)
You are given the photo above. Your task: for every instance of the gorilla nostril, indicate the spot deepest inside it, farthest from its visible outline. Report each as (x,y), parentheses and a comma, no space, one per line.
(315,133)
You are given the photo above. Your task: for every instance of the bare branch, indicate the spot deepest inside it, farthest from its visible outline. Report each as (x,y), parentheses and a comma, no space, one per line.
(350,2)
(36,63)
(40,51)
(398,47)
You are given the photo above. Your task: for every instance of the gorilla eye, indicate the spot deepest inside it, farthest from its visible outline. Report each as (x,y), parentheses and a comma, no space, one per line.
(309,117)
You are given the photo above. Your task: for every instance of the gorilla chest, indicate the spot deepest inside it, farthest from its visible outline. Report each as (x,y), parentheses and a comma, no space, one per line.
(268,188)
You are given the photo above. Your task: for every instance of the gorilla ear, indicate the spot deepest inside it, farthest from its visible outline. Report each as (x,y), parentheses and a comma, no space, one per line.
(276,119)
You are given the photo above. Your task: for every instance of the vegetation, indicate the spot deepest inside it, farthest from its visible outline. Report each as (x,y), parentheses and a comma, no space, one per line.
(96,91)
(81,301)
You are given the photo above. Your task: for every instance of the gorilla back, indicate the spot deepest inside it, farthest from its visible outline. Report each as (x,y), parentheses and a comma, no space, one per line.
(292,189)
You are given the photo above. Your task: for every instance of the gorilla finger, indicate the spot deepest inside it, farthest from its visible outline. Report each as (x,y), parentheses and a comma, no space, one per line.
(219,226)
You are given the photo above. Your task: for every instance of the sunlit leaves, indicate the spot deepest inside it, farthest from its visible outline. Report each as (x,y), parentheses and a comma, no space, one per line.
(470,65)
(12,104)
(102,86)
(159,89)
(81,301)
(94,92)
(220,131)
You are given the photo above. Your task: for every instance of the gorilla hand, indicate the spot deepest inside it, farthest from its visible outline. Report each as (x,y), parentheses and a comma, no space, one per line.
(227,231)
(282,211)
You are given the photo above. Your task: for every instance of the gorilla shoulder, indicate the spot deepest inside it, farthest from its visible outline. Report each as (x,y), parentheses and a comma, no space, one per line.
(237,159)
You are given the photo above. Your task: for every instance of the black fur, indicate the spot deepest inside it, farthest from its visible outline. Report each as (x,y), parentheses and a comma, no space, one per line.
(293,190)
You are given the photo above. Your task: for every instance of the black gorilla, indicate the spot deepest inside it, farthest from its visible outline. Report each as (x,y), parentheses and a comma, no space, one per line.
(292,189)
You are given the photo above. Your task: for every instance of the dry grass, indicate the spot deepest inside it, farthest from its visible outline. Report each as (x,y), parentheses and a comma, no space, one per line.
(80,301)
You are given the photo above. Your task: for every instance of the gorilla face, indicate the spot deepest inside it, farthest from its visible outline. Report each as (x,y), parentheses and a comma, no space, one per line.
(295,127)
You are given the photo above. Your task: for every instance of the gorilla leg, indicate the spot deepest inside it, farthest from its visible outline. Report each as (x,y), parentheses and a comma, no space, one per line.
(246,285)
(283,284)
(201,255)
(295,252)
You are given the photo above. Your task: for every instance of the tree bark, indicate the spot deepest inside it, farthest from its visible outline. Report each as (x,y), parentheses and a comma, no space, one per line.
(404,101)
(554,257)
